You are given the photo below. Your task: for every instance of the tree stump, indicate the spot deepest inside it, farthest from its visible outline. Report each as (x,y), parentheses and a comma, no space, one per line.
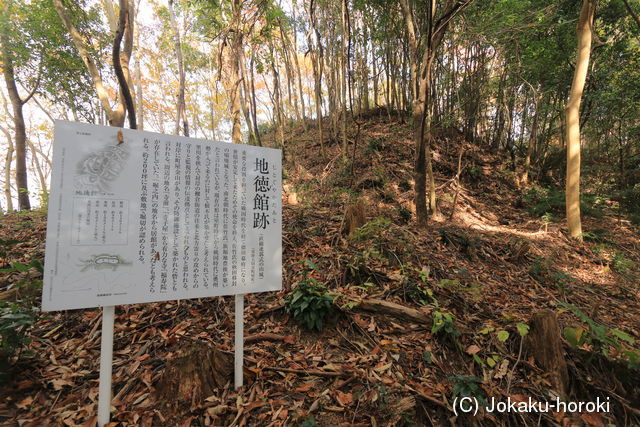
(194,375)
(545,345)
(354,217)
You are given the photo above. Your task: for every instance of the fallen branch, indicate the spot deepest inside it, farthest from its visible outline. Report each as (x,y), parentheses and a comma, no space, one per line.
(430,398)
(395,310)
(264,337)
(306,372)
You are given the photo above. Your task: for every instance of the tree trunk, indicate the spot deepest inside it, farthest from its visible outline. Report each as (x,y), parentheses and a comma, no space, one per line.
(114,116)
(138,72)
(20,134)
(7,171)
(316,62)
(533,138)
(584,31)
(121,58)
(254,106)
(236,46)
(245,99)
(294,54)
(343,78)
(181,106)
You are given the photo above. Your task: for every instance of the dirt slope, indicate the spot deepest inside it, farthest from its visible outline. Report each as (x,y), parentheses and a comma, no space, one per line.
(491,265)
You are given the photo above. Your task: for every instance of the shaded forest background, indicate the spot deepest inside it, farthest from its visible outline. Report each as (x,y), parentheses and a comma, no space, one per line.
(499,73)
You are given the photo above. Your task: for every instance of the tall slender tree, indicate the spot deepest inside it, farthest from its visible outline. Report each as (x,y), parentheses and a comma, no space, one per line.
(584,31)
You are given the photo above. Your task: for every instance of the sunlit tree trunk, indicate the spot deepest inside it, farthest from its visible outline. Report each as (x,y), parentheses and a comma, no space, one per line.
(115,116)
(254,106)
(181,106)
(234,57)
(533,138)
(7,169)
(316,61)
(584,31)
(37,165)
(343,78)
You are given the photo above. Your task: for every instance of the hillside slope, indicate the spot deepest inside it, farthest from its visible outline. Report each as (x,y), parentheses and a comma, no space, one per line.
(481,271)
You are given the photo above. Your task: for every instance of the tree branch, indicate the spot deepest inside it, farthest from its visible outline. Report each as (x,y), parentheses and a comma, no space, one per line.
(632,13)
(117,65)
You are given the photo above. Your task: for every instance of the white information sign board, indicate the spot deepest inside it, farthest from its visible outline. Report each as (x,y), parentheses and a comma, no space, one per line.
(143,217)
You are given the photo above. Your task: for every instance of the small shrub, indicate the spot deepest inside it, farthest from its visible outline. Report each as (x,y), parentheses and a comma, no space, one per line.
(629,199)
(404,214)
(444,322)
(375,144)
(600,337)
(15,321)
(543,201)
(621,265)
(310,303)
(372,229)
(308,422)
(468,387)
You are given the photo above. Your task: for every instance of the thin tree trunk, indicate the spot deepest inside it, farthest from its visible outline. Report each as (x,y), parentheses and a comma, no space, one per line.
(245,99)
(7,170)
(121,61)
(20,133)
(138,73)
(584,32)
(254,107)
(343,78)
(533,138)
(38,167)
(181,106)
(234,57)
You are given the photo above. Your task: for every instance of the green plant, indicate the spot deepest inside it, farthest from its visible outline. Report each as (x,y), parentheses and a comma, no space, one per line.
(422,292)
(475,172)
(561,279)
(15,320)
(468,387)
(444,322)
(621,265)
(600,337)
(597,235)
(27,286)
(358,271)
(404,214)
(310,303)
(547,218)
(551,200)
(382,395)
(473,290)
(375,144)
(542,271)
(372,229)
(309,422)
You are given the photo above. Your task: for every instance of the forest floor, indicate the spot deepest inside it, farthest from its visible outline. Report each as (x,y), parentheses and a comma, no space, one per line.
(492,265)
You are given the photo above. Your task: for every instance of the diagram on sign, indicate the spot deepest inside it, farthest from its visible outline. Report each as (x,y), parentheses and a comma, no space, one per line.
(97,170)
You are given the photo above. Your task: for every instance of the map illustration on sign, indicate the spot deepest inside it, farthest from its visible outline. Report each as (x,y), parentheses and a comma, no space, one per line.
(149,217)
(103,261)
(97,170)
